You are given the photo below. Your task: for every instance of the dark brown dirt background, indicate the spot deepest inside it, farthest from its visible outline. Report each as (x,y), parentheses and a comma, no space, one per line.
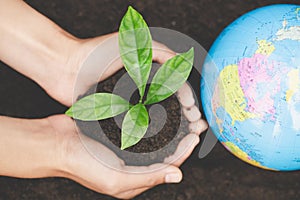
(218,176)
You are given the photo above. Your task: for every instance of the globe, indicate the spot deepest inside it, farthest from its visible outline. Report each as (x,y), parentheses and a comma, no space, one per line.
(250,87)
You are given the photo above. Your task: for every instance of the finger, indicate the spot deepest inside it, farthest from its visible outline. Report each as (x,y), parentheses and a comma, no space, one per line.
(192,114)
(184,150)
(198,126)
(185,96)
(161,53)
(150,176)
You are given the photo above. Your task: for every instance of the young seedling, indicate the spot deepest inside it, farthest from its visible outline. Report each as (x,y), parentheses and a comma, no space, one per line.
(135,46)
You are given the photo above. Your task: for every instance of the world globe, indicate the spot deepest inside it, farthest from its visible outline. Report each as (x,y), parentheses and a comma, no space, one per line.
(250,87)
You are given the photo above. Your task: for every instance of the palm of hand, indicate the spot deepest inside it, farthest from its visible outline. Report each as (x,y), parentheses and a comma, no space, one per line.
(112,177)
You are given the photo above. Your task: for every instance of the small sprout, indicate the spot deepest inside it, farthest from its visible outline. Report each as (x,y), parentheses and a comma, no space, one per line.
(135,45)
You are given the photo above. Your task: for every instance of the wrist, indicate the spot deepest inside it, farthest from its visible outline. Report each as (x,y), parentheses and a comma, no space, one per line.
(61,69)
(38,48)
(66,139)
(28,148)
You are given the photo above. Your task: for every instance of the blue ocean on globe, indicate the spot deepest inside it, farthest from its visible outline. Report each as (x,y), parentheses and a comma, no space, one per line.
(250,87)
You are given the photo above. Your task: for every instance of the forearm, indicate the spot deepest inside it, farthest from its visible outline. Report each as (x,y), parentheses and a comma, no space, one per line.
(28,148)
(32,44)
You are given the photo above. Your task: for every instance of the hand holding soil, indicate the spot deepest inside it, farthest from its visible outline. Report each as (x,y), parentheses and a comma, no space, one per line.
(52,146)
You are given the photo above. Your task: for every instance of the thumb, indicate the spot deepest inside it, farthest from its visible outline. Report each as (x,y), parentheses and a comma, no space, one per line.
(173,176)
(138,183)
(150,176)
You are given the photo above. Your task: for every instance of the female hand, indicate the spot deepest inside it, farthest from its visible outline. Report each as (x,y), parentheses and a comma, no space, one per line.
(52,147)
(110,175)
(52,57)
(76,76)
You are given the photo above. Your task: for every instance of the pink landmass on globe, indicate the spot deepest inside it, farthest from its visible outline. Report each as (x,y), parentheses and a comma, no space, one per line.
(257,73)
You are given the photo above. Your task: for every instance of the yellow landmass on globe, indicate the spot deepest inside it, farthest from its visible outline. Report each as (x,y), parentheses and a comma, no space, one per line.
(265,47)
(231,96)
(293,84)
(229,93)
(243,155)
(297,11)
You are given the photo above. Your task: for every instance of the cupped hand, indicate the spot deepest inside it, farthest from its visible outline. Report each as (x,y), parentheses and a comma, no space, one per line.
(67,79)
(113,177)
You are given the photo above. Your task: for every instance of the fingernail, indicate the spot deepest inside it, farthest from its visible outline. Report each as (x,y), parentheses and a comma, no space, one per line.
(173,178)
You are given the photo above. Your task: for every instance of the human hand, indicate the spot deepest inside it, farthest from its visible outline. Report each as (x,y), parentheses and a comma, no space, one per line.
(113,177)
(52,57)
(124,181)
(79,74)
(62,152)
(118,179)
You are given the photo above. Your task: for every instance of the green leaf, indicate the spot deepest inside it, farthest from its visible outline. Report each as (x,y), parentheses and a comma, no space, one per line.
(134,126)
(170,77)
(135,45)
(98,106)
